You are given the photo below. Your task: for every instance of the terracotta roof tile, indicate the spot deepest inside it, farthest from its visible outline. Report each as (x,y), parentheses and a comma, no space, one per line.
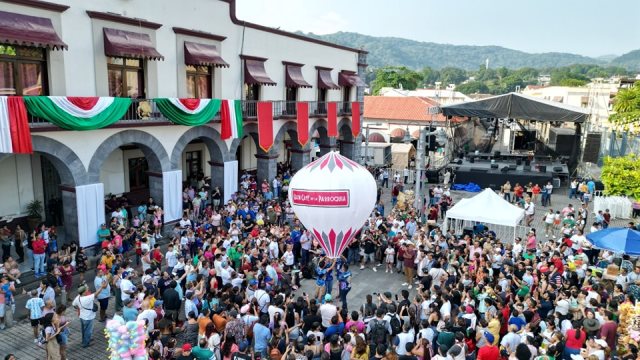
(406,108)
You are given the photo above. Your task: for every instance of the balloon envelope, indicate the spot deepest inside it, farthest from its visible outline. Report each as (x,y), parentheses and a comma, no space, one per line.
(332,197)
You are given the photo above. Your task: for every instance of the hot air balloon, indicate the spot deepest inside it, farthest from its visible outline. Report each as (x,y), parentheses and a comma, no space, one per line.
(332,197)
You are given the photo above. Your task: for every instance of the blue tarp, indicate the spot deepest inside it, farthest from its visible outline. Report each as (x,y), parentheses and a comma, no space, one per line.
(470,187)
(618,240)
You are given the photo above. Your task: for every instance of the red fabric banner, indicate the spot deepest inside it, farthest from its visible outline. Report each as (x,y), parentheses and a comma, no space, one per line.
(265,125)
(225,120)
(190,104)
(302,109)
(84,103)
(332,119)
(355,118)
(19,125)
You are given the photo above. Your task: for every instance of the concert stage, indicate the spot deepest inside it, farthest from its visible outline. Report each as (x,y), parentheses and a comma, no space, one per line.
(493,175)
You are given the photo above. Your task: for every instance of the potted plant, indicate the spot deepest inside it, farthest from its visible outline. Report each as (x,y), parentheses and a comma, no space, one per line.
(34,213)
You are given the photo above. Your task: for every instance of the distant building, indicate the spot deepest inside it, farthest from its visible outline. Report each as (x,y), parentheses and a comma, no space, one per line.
(442,96)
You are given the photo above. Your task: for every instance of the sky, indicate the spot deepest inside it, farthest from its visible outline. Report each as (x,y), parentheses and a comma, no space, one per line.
(585,27)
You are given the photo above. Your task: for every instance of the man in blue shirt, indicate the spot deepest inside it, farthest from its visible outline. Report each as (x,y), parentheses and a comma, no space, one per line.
(295,235)
(129,312)
(261,336)
(336,327)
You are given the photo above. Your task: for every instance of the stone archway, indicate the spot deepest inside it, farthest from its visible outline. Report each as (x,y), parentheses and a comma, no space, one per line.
(267,162)
(299,154)
(72,174)
(346,140)
(153,150)
(325,143)
(217,148)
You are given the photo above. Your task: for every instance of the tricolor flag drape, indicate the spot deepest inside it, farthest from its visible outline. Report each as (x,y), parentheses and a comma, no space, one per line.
(15,135)
(332,119)
(78,113)
(302,109)
(231,119)
(188,112)
(355,118)
(265,125)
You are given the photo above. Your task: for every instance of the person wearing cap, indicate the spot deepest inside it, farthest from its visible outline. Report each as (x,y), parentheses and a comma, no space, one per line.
(186,353)
(488,351)
(327,311)
(84,303)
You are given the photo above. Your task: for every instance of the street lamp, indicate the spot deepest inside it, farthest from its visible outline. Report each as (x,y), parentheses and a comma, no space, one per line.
(364,158)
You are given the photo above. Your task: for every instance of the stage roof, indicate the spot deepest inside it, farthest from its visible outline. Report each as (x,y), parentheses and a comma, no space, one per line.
(517,106)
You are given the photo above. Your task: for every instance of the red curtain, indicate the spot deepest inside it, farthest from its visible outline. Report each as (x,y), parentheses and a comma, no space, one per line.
(265,125)
(302,109)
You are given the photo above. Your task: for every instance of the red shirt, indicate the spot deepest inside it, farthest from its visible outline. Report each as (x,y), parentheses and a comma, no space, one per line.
(39,246)
(572,342)
(488,352)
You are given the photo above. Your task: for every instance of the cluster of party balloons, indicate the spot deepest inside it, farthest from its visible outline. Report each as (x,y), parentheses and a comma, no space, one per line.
(126,340)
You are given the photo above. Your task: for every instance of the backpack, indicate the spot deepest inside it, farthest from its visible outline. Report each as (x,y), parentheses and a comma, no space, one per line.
(42,338)
(379,331)
(396,326)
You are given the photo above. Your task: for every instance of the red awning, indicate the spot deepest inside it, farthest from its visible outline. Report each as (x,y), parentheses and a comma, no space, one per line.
(294,77)
(347,78)
(255,73)
(121,43)
(325,81)
(202,55)
(28,30)
(398,133)
(376,137)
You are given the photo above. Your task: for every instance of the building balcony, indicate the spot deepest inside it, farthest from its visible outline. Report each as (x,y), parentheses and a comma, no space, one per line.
(144,112)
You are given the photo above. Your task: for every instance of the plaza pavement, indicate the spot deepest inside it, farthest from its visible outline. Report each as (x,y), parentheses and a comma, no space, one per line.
(18,339)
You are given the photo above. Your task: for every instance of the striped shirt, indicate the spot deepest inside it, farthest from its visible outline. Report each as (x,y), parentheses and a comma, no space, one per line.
(35,306)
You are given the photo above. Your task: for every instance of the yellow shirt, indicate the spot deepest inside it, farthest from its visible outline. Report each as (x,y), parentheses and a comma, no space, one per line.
(494,329)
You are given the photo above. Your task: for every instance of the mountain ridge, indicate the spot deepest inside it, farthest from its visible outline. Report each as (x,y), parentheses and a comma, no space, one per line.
(395,51)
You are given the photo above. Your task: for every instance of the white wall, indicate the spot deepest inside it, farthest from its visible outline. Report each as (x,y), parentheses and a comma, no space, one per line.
(112,173)
(81,71)
(16,185)
(247,157)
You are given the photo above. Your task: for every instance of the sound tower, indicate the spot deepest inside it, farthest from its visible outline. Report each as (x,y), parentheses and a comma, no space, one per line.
(592,147)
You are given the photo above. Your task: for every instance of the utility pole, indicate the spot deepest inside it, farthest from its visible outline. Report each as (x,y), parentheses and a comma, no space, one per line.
(419,170)
(366,147)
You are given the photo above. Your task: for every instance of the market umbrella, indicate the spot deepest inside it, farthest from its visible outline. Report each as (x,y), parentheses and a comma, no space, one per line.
(618,240)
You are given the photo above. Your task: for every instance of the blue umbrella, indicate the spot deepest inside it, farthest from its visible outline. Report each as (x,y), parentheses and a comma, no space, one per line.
(618,240)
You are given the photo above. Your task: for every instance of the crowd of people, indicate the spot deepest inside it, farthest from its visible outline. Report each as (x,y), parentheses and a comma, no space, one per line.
(226,286)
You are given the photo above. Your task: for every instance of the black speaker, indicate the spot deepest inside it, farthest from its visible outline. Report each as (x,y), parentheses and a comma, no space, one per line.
(472,159)
(461,155)
(481,170)
(542,168)
(591,151)
(458,161)
(505,169)
(557,169)
(494,166)
(527,162)
(519,162)
(513,166)
(496,154)
(526,168)
(467,231)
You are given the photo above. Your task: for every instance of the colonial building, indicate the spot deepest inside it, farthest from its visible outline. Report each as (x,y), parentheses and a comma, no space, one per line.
(161,49)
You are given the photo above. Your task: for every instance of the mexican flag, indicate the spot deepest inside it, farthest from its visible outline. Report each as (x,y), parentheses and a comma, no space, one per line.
(188,112)
(78,113)
(231,119)
(15,135)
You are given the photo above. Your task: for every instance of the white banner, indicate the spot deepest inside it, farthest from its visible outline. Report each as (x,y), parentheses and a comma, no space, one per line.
(90,203)
(230,179)
(172,195)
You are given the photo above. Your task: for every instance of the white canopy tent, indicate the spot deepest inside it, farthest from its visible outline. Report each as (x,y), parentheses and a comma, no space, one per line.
(488,208)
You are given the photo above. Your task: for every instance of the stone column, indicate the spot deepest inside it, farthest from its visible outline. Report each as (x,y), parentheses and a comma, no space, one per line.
(347,149)
(300,158)
(155,187)
(330,145)
(267,167)
(70,214)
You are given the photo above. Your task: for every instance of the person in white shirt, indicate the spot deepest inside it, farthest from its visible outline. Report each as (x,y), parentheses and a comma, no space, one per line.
(288,257)
(126,287)
(225,273)
(327,310)
(529,211)
(185,222)
(445,309)
(84,302)
(548,223)
(171,257)
(147,314)
(263,300)
(406,336)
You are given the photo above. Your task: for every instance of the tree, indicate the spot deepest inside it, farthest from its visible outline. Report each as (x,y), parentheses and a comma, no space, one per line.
(621,176)
(472,87)
(626,105)
(395,76)
(451,75)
